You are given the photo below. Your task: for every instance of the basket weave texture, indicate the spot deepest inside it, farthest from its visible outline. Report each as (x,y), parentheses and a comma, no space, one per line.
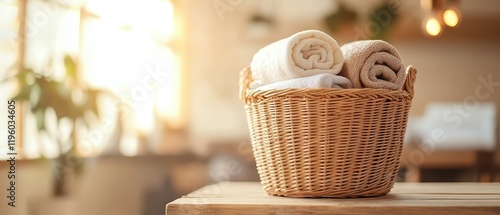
(327,142)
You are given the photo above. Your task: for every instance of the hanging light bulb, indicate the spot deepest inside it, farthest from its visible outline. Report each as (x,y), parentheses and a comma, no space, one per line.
(440,13)
(431,26)
(451,17)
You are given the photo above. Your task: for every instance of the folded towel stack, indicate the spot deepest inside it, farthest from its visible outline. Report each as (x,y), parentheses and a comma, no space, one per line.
(301,55)
(312,59)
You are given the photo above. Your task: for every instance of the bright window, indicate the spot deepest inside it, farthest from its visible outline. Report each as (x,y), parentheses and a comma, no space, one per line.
(125,47)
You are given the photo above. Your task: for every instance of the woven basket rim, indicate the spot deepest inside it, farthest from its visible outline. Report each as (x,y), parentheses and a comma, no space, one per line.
(329,93)
(247,95)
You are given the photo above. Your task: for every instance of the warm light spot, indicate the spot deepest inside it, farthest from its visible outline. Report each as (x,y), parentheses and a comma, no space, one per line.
(144,116)
(129,145)
(31,141)
(168,94)
(432,27)
(50,148)
(128,52)
(8,15)
(450,18)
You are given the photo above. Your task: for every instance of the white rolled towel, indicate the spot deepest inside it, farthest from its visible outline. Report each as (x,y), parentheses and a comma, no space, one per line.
(324,80)
(303,54)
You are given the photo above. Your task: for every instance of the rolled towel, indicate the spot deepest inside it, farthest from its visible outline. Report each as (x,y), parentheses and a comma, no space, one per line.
(303,54)
(373,64)
(316,81)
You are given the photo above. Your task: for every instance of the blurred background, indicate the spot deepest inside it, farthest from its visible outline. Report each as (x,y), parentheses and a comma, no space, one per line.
(124,106)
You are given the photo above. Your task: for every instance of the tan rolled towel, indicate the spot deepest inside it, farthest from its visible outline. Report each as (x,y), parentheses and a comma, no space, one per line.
(373,64)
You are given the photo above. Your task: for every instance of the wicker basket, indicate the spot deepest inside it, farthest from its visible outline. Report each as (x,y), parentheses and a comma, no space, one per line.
(327,142)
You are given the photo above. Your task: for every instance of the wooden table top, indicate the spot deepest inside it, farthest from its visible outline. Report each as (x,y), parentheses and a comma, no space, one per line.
(405,198)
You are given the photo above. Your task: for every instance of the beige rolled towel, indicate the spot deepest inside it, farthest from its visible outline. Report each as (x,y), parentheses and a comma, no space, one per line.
(303,54)
(373,64)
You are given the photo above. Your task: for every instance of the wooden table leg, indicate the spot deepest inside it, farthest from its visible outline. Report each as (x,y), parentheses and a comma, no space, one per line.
(484,166)
(413,174)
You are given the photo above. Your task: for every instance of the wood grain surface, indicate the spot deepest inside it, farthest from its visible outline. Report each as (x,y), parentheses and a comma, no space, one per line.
(405,198)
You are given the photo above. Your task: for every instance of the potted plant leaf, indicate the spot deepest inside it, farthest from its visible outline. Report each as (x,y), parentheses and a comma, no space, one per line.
(69,99)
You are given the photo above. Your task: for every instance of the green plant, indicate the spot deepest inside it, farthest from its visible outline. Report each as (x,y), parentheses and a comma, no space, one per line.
(69,99)
(343,15)
(384,29)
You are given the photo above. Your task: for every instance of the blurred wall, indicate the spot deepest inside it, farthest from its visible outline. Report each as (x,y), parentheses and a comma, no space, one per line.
(451,71)
(220,46)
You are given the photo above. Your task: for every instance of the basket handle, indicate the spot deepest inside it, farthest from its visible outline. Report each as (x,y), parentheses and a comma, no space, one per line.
(245,80)
(411,74)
